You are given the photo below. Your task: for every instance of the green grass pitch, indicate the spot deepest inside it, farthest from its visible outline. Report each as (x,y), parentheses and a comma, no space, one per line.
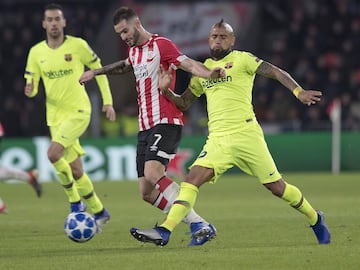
(255,229)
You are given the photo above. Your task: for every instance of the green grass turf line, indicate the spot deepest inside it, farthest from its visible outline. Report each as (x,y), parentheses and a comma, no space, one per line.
(255,229)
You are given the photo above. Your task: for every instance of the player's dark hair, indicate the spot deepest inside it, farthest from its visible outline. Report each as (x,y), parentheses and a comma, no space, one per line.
(123,13)
(224,24)
(53,6)
(219,23)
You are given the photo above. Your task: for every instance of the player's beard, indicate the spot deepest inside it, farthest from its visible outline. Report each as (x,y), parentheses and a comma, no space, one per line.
(135,38)
(55,34)
(218,53)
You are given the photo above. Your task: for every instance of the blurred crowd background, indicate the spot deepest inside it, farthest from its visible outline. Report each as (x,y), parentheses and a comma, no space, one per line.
(315,41)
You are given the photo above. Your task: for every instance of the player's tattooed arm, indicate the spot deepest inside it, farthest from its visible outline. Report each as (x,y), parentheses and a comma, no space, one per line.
(119,67)
(308,97)
(116,68)
(184,101)
(270,71)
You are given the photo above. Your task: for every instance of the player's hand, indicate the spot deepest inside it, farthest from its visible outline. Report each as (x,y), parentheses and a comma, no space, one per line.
(165,78)
(29,87)
(309,97)
(110,112)
(86,76)
(217,73)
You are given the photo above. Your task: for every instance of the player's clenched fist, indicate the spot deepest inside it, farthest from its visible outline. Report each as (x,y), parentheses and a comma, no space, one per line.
(218,73)
(29,87)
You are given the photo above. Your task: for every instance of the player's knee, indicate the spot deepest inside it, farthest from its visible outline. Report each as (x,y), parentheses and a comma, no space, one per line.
(53,156)
(153,171)
(277,188)
(77,172)
(55,152)
(152,177)
(147,197)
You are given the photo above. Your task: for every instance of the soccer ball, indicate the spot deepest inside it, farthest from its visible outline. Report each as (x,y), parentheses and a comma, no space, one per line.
(80,226)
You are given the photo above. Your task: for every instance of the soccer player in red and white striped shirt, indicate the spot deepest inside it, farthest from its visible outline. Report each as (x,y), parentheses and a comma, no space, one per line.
(160,121)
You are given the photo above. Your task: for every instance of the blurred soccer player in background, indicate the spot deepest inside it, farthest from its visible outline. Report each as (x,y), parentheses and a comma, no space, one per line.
(235,137)
(59,61)
(7,173)
(160,121)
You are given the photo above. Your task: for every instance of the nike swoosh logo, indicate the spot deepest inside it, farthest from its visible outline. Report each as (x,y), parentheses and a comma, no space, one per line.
(203,154)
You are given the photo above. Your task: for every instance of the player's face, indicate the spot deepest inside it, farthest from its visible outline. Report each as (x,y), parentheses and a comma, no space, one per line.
(54,23)
(128,31)
(221,40)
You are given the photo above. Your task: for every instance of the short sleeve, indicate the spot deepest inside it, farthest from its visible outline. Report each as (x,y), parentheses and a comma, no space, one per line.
(169,52)
(252,62)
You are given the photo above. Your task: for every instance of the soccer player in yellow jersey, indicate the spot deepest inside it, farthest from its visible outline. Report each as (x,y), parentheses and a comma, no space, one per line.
(59,61)
(235,137)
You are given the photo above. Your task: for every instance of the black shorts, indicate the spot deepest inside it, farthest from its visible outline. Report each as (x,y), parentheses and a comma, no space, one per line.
(158,143)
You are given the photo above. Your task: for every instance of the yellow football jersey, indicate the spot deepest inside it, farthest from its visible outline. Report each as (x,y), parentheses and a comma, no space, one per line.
(60,70)
(229,99)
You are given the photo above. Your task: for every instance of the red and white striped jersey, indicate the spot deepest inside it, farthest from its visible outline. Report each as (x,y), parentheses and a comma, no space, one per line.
(146,59)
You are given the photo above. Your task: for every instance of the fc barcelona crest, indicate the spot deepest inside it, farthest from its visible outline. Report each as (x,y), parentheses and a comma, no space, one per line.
(229,65)
(68,57)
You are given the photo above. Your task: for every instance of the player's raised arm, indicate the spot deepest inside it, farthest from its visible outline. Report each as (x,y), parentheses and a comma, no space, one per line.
(119,67)
(307,97)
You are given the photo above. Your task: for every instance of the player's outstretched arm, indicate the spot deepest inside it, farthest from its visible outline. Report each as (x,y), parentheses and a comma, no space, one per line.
(184,101)
(198,69)
(307,97)
(119,67)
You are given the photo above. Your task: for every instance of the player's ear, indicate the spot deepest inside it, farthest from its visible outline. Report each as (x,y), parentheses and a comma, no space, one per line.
(137,22)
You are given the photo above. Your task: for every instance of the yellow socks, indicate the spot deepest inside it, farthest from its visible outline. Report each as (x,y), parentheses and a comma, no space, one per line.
(86,190)
(182,205)
(63,171)
(294,197)
(83,186)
